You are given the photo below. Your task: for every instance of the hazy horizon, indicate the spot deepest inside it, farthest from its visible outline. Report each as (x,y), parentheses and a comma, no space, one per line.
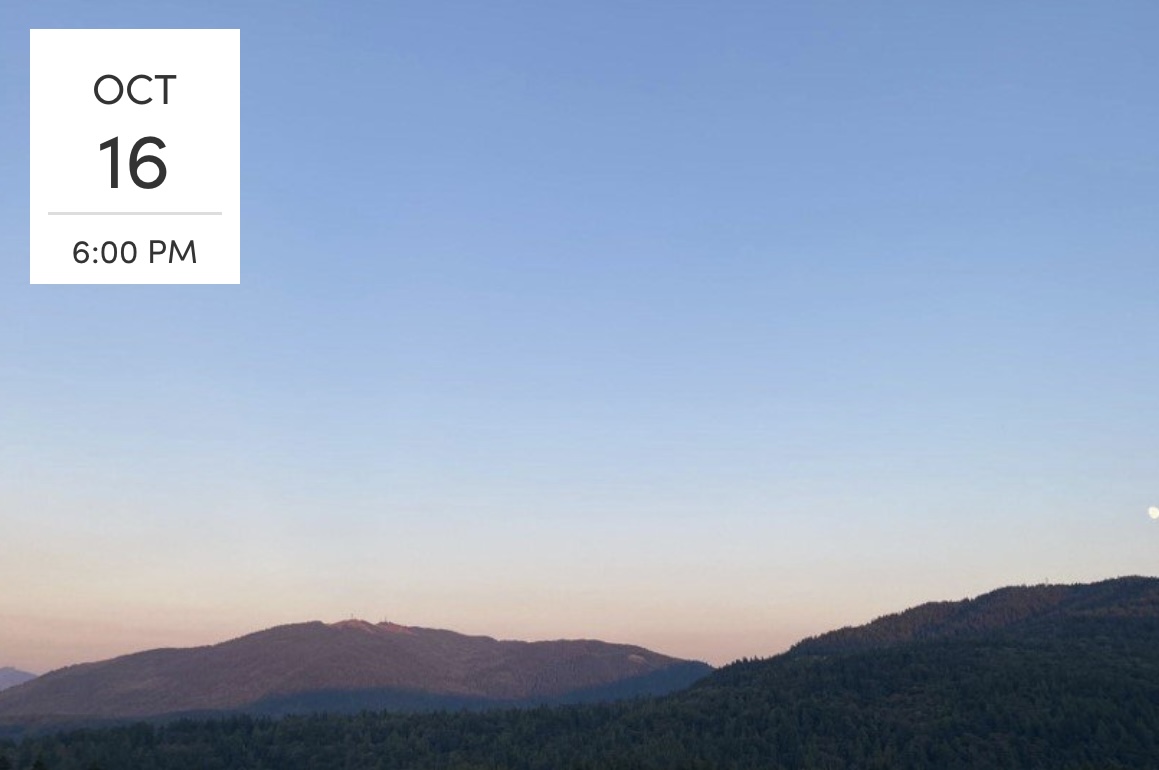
(477,632)
(699,327)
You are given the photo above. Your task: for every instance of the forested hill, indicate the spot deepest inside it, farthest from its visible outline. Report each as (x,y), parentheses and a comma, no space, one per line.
(1072,688)
(1002,610)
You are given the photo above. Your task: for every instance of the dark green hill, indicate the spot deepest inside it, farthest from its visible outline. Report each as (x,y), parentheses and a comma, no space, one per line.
(1045,677)
(1018,607)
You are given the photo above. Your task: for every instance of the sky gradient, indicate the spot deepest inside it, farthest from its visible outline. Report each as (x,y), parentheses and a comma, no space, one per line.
(701,326)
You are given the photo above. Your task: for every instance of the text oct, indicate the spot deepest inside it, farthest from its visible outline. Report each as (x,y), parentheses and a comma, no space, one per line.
(105,85)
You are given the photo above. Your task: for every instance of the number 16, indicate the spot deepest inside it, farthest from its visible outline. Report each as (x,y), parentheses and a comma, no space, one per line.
(135,161)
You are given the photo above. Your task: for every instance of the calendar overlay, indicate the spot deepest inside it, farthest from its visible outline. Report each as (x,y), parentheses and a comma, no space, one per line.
(135,156)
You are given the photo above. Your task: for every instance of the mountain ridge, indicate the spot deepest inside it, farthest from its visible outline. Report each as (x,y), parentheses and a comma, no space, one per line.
(372,663)
(1002,609)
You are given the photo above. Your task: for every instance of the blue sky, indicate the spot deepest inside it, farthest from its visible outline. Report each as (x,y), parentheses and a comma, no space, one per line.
(704,326)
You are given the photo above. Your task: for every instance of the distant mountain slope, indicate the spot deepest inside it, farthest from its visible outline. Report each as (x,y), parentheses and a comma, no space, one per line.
(315,665)
(1003,609)
(10,677)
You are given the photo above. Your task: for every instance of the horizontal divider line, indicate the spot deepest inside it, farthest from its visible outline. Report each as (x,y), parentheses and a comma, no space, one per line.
(134,213)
